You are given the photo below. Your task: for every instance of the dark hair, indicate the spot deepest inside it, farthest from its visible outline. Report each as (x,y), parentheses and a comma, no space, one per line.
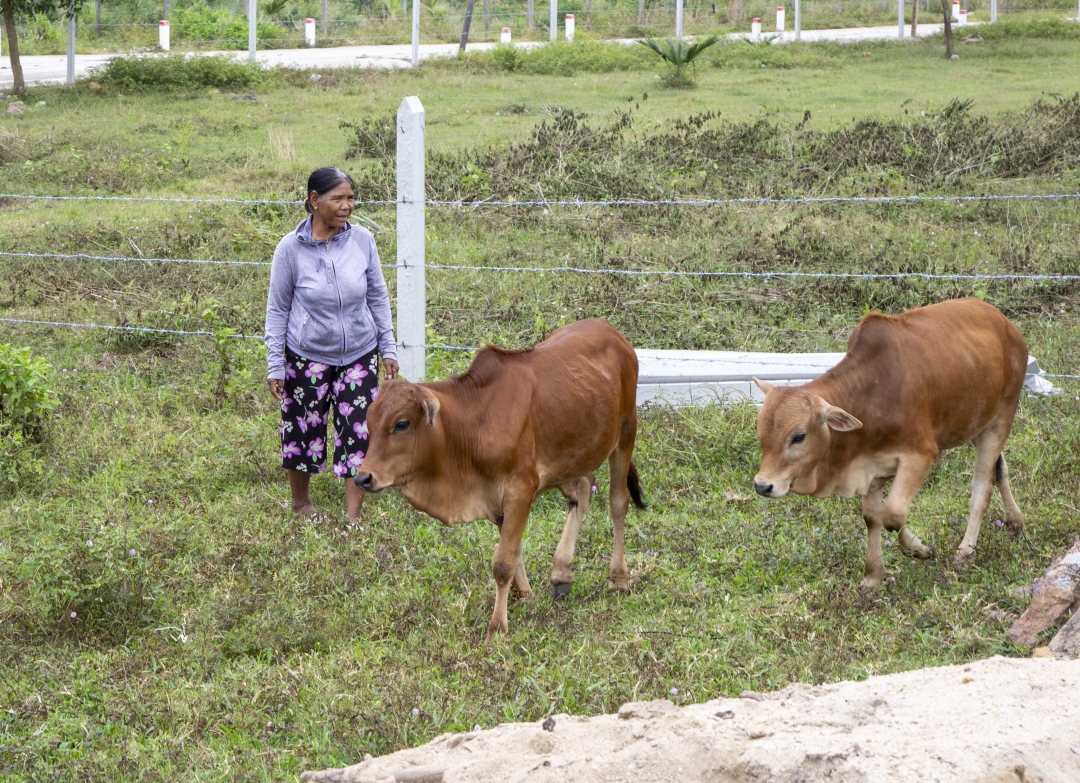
(322,181)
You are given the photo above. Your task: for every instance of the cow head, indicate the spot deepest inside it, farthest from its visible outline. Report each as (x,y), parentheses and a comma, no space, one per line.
(795,427)
(401,436)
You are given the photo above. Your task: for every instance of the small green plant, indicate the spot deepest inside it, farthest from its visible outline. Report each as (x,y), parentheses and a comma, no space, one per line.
(26,397)
(679,56)
(177,72)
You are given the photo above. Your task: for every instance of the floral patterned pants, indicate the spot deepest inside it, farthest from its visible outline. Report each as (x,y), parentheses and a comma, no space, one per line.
(312,390)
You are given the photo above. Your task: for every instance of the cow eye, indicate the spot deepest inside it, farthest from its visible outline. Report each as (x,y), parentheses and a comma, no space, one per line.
(401,426)
(798,438)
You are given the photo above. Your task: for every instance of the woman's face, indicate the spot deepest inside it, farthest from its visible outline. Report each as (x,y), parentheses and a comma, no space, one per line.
(334,206)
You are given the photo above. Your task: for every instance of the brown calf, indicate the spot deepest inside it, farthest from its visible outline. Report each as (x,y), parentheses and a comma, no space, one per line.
(910,386)
(485,444)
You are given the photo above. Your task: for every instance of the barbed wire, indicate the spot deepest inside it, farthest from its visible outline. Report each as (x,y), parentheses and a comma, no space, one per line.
(597,271)
(110,327)
(673,202)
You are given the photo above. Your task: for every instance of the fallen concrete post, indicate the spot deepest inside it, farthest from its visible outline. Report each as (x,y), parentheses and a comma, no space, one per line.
(1052,595)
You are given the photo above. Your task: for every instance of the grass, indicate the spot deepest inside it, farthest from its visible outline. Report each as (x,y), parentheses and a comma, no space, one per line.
(238,643)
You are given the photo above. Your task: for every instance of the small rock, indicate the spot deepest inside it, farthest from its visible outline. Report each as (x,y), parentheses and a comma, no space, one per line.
(1066,643)
(754,695)
(1042,652)
(955,57)
(16,109)
(549,724)
(95,87)
(41,103)
(725,715)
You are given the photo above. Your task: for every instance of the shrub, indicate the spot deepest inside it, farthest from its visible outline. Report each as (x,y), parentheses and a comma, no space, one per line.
(552,59)
(26,398)
(177,72)
(1048,29)
(679,56)
(226,30)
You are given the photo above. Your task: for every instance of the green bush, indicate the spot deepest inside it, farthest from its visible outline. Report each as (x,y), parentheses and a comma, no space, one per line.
(1049,29)
(26,398)
(177,72)
(220,26)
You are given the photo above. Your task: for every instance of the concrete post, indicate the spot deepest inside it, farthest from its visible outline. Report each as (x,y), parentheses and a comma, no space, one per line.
(798,20)
(325,19)
(253,10)
(416,33)
(993,10)
(678,18)
(553,21)
(411,291)
(71,51)
(900,17)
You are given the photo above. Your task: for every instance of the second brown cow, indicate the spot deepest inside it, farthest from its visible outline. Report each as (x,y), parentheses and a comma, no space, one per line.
(910,386)
(485,444)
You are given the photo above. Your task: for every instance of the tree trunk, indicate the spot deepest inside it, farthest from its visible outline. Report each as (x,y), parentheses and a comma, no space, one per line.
(164,9)
(487,15)
(914,18)
(468,23)
(946,8)
(530,23)
(97,19)
(641,12)
(18,86)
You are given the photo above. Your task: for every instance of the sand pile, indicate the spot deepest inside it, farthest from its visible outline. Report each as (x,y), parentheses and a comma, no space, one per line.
(1002,720)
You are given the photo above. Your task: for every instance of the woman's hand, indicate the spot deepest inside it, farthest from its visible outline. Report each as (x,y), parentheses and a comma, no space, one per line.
(391,366)
(277,388)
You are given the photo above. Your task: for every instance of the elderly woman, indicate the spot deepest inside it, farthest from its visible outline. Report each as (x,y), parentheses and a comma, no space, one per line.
(327,322)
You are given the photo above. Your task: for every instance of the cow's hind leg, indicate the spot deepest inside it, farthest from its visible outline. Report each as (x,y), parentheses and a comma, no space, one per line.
(910,475)
(520,583)
(578,493)
(1014,518)
(619,465)
(988,445)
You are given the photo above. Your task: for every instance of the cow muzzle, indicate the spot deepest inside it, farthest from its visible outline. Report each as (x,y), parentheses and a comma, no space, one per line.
(366,482)
(768,489)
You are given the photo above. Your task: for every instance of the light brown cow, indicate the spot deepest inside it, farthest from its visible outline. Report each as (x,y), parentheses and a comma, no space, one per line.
(910,386)
(485,444)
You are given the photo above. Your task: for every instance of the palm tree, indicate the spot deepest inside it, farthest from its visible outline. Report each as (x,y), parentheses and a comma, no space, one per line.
(679,56)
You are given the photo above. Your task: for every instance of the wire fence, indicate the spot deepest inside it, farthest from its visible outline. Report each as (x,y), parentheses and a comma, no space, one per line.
(959,200)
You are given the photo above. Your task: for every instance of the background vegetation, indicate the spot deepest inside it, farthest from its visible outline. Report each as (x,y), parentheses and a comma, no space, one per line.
(162,615)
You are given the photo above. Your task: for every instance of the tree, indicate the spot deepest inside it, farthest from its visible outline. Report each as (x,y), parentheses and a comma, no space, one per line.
(468,23)
(946,8)
(10,8)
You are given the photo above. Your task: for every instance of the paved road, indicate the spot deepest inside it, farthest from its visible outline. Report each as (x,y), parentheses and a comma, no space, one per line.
(52,69)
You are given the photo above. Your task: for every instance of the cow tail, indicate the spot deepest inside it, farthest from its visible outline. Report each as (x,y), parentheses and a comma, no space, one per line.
(999,469)
(634,486)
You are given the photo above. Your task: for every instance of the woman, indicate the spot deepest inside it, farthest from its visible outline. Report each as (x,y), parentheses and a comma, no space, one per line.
(327,322)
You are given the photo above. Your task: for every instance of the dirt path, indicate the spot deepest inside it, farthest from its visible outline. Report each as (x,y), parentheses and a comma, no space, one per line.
(1002,720)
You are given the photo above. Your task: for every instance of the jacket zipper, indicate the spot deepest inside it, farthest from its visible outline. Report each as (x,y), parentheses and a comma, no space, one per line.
(337,290)
(303,326)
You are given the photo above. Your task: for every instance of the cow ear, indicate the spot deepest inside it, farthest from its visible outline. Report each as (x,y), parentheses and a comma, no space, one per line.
(765,386)
(430,405)
(839,419)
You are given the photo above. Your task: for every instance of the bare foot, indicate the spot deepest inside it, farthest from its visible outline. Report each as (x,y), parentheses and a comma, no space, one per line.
(306,509)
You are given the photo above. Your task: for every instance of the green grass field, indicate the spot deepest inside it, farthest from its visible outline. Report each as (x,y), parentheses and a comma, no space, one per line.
(217,637)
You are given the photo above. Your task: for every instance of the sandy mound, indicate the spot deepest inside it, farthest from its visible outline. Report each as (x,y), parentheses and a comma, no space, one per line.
(1002,720)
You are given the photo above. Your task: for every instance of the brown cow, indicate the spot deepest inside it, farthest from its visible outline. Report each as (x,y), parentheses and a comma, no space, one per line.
(485,444)
(910,386)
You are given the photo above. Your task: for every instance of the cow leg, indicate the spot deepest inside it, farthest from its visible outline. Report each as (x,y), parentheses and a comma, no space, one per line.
(521,579)
(507,558)
(1014,518)
(910,475)
(873,511)
(578,494)
(619,467)
(988,444)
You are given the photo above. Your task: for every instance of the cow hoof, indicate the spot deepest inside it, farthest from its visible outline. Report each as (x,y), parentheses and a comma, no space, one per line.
(1016,531)
(494,629)
(870,583)
(560,589)
(523,595)
(964,556)
(922,553)
(619,585)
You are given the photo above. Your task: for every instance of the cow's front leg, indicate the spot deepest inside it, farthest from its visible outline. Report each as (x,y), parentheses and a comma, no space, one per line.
(910,475)
(873,509)
(505,563)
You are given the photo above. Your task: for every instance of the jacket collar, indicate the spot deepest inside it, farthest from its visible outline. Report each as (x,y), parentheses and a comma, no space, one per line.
(303,232)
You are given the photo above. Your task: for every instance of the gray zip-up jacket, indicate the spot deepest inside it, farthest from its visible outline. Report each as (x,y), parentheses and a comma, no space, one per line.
(327,299)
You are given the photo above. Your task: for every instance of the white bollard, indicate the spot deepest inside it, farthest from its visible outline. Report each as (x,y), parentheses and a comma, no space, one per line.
(570,27)
(504,36)
(70,50)
(798,20)
(163,35)
(553,20)
(253,13)
(410,239)
(780,19)
(956,10)
(416,33)
(678,18)
(309,32)
(755,29)
(963,17)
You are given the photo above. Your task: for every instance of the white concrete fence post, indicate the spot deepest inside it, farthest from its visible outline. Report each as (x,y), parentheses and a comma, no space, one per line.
(900,18)
(755,29)
(780,18)
(163,35)
(798,20)
(678,18)
(553,21)
(253,10)
(71,51)
(416,33)
(963,18)
(993,11)
(956,10)
(568,20)
(309,32)
(504,36)
(411,292)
